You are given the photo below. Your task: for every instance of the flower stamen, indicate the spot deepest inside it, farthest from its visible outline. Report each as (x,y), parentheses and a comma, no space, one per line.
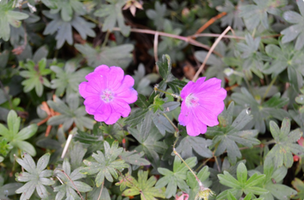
(107,96)
(191,100)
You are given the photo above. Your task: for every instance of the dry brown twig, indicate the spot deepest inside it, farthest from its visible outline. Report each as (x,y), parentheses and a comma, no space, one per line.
(209,53)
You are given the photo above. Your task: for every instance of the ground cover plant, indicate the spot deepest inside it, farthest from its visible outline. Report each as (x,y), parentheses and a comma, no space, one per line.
(130,99)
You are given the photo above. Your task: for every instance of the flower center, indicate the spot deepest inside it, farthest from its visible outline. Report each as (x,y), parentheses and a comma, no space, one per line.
(191,100)
(107,96)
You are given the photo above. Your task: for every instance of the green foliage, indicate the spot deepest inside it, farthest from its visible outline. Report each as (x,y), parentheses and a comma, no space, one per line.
(226,137)
(35,76)
(112,14)
(175,178)
(285,57)
(134,158)
(252,58)
(188,145)
(68,78)
(217,65)
(70,114)
(261,110)
(232,18)
(142,82)
(158,15)
(9,17)
(15,138)
(70,182)
(111,56)
(49,46)
(258,14)
(165,68)
(36,177)
(7,189)
(295,31)
(63,29)
(281,153)
(299,185)
(106,164)
(203,176)
(241,184)
(273,182)
(66,8)
(143,186)
(148,139)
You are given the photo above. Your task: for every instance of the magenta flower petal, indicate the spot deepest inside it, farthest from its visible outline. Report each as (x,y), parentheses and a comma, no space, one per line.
(202,102)
(108,94)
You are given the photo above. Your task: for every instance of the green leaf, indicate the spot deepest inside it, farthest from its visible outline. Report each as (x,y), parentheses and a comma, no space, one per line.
(149,141)
(8,189)
(158,15)
(111,56)
(143,186)
(284,57)
(251,58)
(9,17)
(35,75)
(66,7)
(63,29)
(136,117)
(112,14)
(14,137)
(261,110)
(232,18)
(175,178)
(68,79)
(299,186)
(217,65)
(258,14)
(5,147)
(105,164)
(242,173)
(228,136)
(134,158)
(35,177)
(70,182)
(203,176)
(285,144)
(70,114)
(188,145)
(164,67)
(27,132)
(142,101)
(294,32)
(242,185)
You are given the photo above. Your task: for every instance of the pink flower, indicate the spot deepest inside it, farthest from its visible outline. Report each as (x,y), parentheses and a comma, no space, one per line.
(108,94)
(184,196)
(202,103)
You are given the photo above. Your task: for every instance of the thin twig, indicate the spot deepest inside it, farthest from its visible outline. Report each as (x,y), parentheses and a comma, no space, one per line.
(72,183)
(155,49)
(210,21)
(105,39)
(269,87)
(100,191)
(217,35)
(152,32)
(209,53)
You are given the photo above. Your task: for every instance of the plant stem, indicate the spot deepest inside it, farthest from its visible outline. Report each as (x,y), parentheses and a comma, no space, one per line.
(269,87)
(100,191)
(72,183)
(168,93)
(209,53)
(105,39)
